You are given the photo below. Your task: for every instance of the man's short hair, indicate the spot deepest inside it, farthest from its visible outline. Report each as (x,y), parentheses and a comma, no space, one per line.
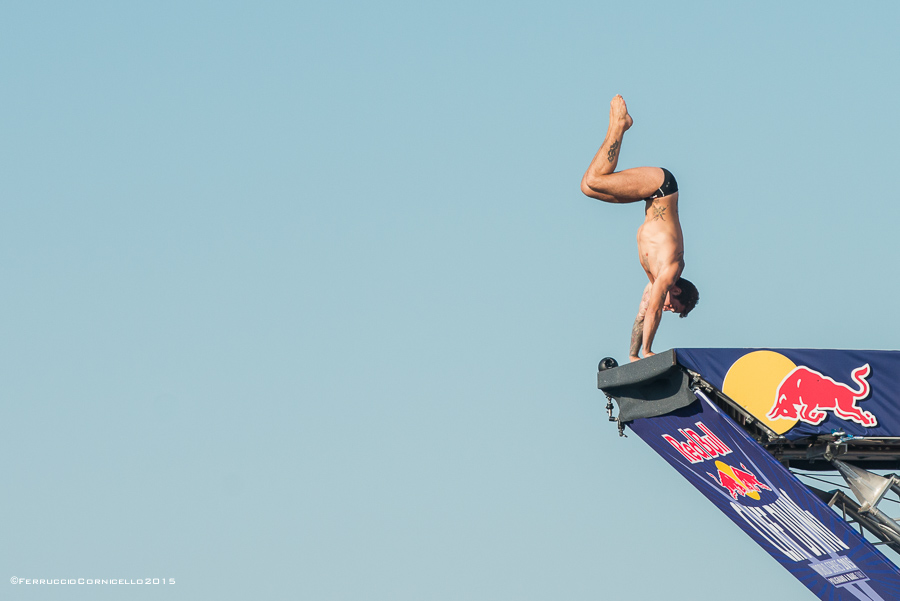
(689,297)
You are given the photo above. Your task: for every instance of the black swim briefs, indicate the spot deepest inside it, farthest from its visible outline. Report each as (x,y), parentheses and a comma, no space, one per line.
(669,186)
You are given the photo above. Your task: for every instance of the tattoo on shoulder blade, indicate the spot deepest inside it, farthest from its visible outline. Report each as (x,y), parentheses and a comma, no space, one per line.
(611,155)
(660,213)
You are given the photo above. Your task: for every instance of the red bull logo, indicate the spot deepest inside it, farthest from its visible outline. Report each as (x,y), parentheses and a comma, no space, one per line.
(806,394)
(782,394)
(697,448)
(738,482)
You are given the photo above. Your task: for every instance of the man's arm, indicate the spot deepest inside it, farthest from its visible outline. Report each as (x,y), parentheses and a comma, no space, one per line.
(657,298)
(637,330)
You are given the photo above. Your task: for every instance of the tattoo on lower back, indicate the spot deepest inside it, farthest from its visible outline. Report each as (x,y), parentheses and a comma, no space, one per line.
(611,155)
(660,213)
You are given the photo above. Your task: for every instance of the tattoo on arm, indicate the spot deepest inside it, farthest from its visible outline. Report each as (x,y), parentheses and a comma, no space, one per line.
(637,336)
(611,155)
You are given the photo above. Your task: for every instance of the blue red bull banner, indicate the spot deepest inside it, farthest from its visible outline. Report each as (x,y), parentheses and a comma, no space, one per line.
(770,504)
(799,392)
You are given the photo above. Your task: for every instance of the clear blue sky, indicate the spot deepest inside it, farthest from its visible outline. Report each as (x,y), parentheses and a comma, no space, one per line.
(302,301)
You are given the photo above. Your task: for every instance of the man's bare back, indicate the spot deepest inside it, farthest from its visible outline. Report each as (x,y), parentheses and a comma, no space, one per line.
(660,240)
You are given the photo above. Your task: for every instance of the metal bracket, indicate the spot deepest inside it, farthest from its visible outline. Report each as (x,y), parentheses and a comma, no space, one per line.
(609,408)
(834,450)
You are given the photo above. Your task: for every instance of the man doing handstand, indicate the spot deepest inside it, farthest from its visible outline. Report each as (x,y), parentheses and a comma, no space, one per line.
(659,239)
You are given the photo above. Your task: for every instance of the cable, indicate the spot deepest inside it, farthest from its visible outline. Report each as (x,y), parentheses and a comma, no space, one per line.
(825,481)
(841,486)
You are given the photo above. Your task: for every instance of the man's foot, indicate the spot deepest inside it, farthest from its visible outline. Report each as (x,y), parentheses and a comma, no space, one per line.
(618,113)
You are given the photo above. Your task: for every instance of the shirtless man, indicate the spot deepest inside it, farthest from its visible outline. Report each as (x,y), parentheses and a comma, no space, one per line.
(660,241)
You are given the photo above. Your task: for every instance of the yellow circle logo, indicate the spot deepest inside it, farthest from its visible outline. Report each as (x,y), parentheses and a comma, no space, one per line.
(753,381)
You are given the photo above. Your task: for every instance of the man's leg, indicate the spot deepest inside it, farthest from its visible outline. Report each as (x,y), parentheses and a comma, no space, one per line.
(600,181)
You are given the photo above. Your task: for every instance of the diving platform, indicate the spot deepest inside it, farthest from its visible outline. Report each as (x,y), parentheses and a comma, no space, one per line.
(736,422)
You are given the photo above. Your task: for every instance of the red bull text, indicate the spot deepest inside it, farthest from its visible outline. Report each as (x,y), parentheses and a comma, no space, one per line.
(698,448)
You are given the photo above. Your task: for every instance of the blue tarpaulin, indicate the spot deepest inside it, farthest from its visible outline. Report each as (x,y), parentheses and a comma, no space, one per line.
(770,504)
(806,392)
